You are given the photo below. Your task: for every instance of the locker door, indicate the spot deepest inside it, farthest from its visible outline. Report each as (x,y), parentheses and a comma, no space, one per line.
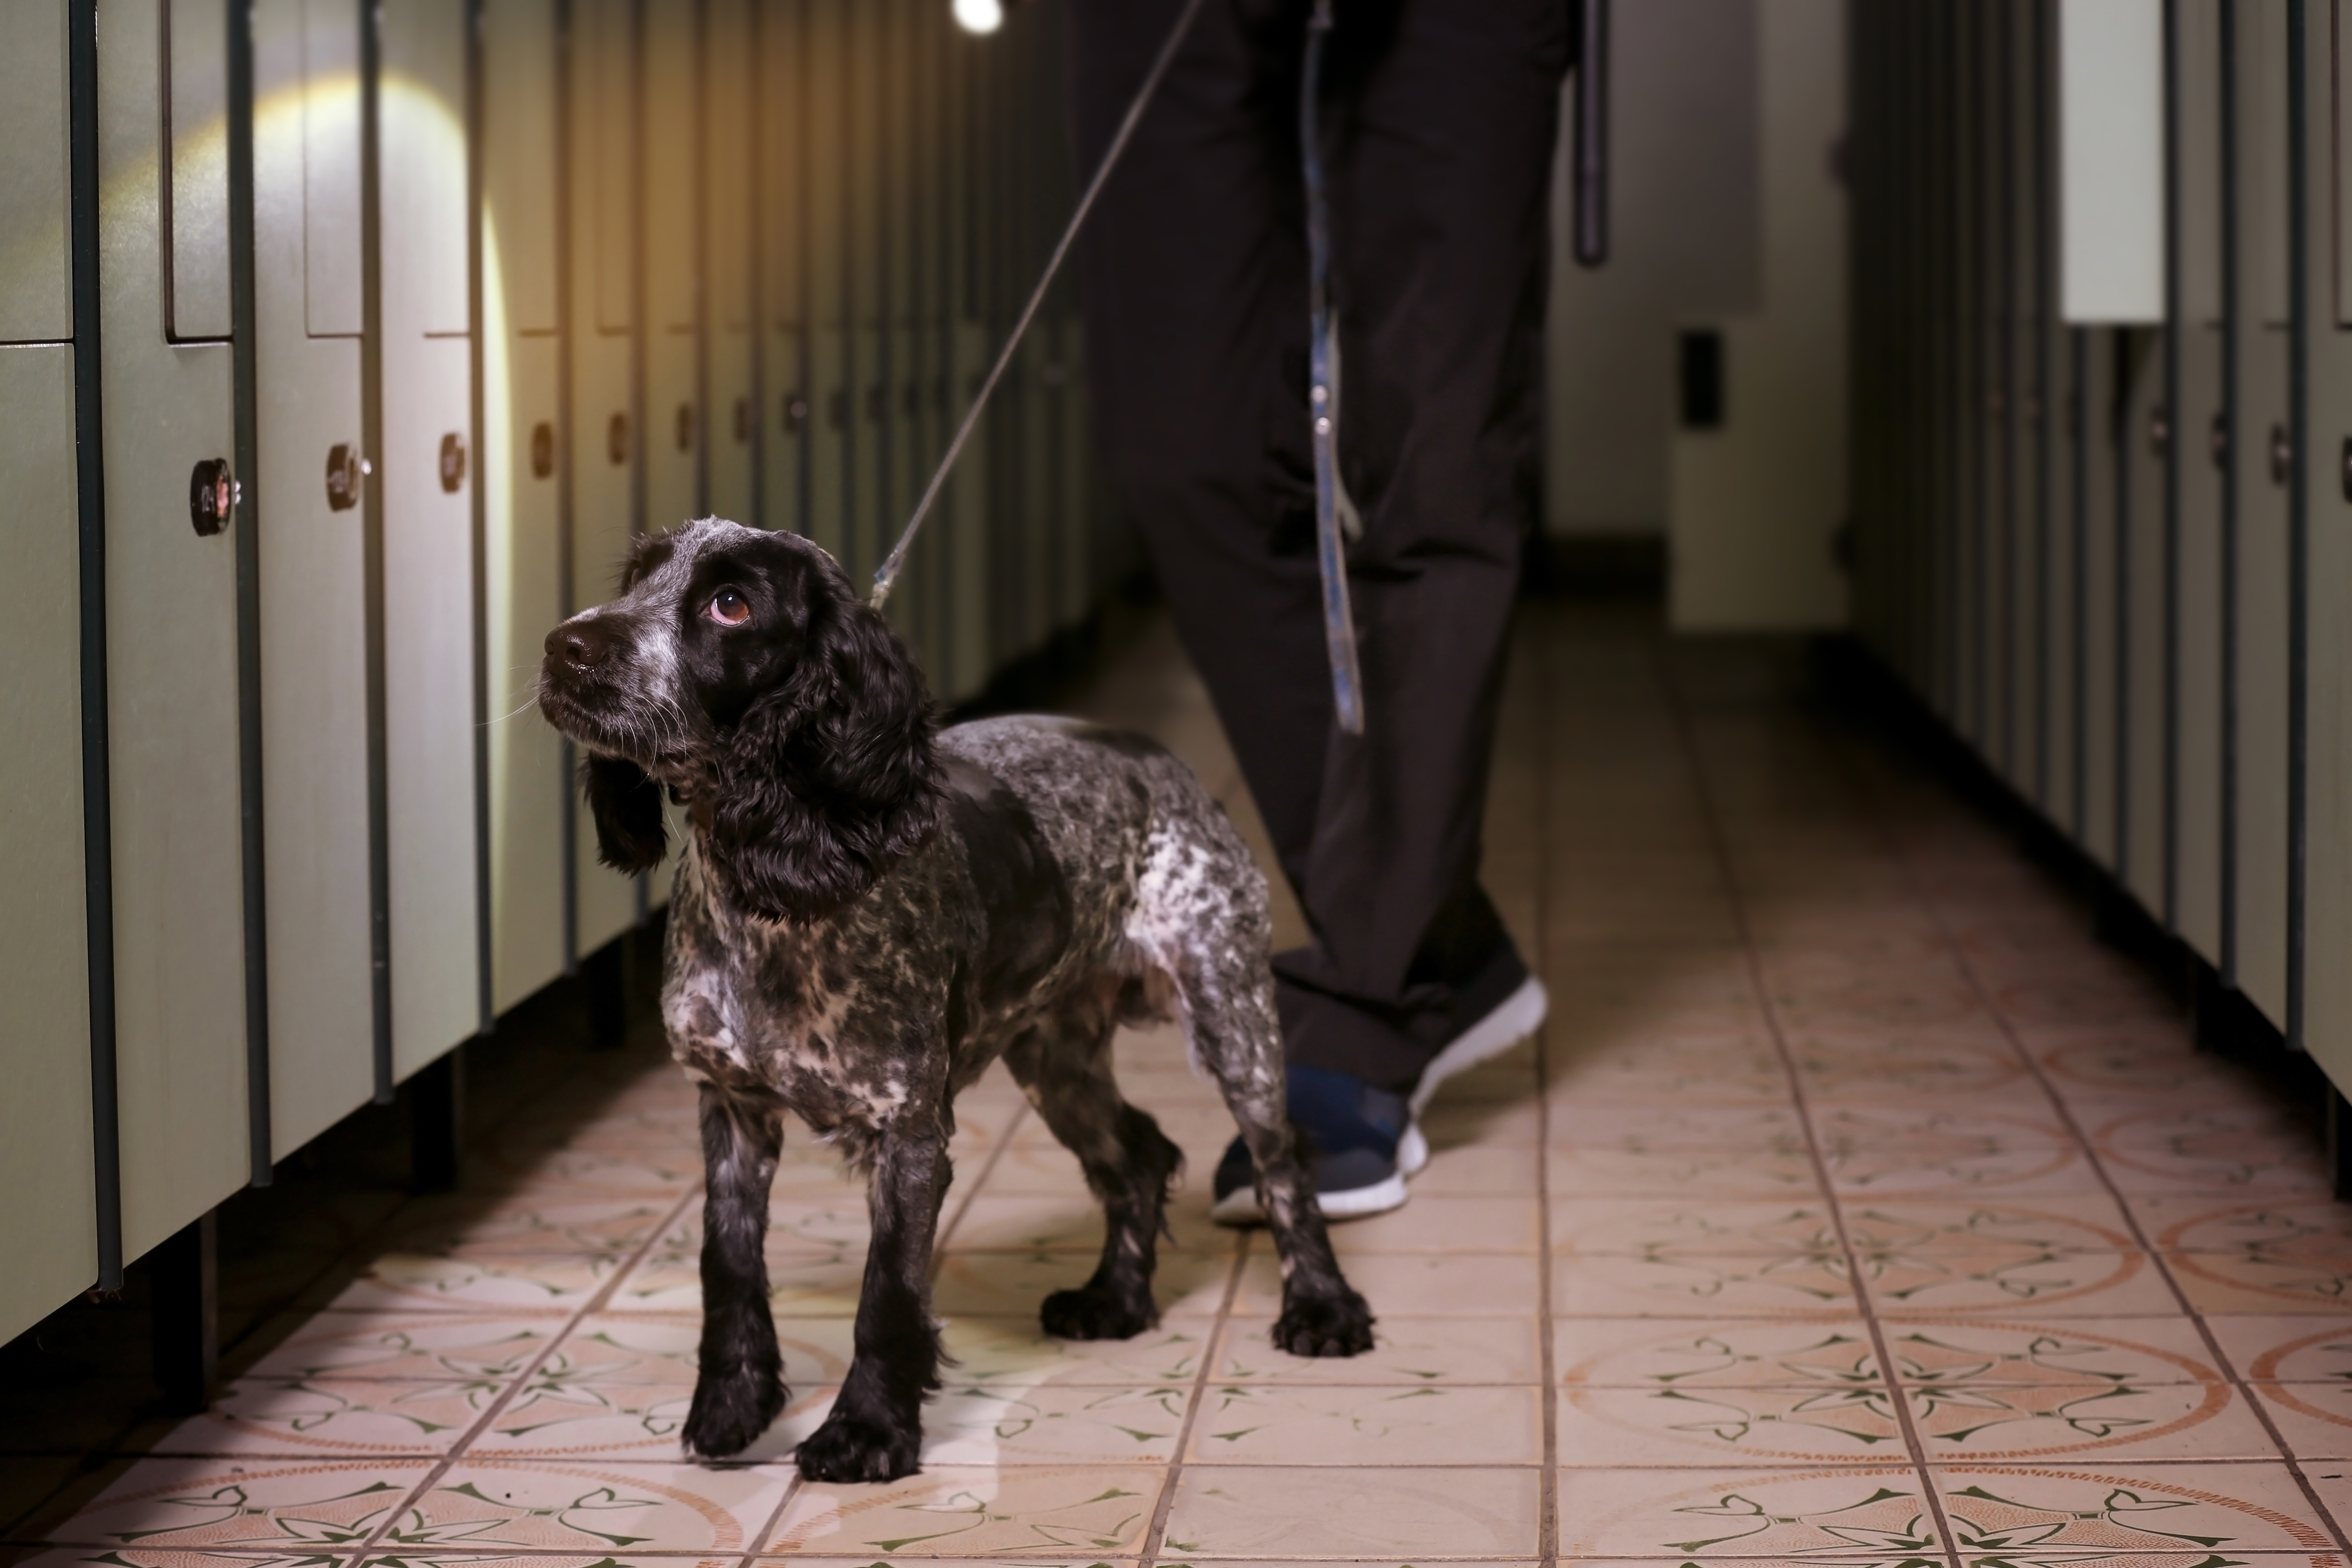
(781,105)
(605,440)
(832,447)
(523,543)
(1971,387)
(731,391)
(910,435)
(2001,401)
(2258,893)
(171,635)
(870,291)
(2199,466)
(2027,400)
(675,437)
(969,561)
(50,1228)
(2065,550)
(308,323)
(2148,437)
(2328,981)
(428,471)
(2106,384)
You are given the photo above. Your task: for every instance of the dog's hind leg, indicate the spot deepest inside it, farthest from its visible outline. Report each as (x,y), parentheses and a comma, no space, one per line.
(1064,1066)
(739,1386)
(1229,1017)
(876,1430)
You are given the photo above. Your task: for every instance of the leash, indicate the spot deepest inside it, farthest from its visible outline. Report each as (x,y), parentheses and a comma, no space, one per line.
(1330,547)
(887,576)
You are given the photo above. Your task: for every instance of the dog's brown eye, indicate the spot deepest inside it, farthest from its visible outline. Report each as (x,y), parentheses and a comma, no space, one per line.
(729,608)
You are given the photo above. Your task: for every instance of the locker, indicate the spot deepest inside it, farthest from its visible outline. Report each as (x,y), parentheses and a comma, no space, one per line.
(2106,387)
(831,446)
(2198,470)
(2142,844)
(428,472)
(676,435)
(2026,399)
(607,438)
(732,377)
(1968,387)
(172,719)
(1998,405)
(312,500)
(45,1135)
(869,288)
(780,161)
(2256,932)
(971,559)
(2066,581)
(523,544)
(2328,981)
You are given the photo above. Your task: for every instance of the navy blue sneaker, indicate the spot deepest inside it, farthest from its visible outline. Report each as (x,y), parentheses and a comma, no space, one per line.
(1350,1128)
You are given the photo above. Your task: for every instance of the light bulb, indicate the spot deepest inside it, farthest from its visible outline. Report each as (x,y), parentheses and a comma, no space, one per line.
(979,15)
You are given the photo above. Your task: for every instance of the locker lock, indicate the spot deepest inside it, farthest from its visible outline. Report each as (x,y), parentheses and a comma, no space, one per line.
(2217,441)
(453,462)
(542,449)
(2282,455)
(616,438)
(742,420)
(345,470)
(213,495)
(685,427)
(2160,432)
(796,413)
(2344,467)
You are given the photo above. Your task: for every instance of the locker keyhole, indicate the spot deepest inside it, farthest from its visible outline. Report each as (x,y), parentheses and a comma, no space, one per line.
(616,438)
(453,462)
(2217,441)
(2282,455)
(2160,432)
(796,412)
(684,426)
(213,495)
(345,469)
(542,449)
(742,420)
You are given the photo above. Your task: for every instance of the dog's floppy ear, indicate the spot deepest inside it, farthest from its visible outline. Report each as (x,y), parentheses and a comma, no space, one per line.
(831,778)
(630,834)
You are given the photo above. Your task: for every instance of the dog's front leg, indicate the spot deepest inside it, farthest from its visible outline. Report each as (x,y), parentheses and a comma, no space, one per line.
(876,1430)
(739,1385)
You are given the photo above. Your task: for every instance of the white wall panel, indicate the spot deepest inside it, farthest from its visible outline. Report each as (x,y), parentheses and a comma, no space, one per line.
(2111,153)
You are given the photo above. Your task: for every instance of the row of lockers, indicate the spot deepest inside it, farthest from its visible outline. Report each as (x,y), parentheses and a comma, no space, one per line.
(2112,546)
(345,343)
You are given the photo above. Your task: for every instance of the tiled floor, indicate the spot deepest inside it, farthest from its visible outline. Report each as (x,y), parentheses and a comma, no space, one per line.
(1855,1206)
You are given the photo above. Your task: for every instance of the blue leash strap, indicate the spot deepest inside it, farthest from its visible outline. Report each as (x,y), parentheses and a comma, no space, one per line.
(1330,548)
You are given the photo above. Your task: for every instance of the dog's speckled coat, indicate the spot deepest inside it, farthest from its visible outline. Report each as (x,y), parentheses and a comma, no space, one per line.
(867,913)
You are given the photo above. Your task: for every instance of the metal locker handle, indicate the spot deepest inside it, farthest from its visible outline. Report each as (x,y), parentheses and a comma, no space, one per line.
(684,426)
(2217,441)
(796,413)
(742,420)
(2160,432)
(616,438)
(453,462)
(213,495)
(345,469)
(542,449)
(2282,455)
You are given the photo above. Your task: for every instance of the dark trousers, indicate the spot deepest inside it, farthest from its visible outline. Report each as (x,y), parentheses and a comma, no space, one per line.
(1438,122)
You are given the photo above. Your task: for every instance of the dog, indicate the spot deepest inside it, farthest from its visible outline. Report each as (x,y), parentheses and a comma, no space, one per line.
(867,912)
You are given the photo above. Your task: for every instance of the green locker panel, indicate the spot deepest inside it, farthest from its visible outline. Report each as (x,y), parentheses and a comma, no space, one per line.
(310,493)
(428,474)
(523,544)
(2258,898)
(51,1225)
(2199,466)
(172,639)
(729,212)
(600,155)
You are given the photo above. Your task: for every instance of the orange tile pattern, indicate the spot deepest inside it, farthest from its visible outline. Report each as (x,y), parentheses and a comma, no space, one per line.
(1856,1205)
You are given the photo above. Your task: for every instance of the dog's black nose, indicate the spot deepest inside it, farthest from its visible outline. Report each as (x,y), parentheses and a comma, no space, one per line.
(582,645)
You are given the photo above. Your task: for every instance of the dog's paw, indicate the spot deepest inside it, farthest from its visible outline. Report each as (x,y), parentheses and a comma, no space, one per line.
(1091,1313)
(729,1413)
(1325,1325)
(855,1447)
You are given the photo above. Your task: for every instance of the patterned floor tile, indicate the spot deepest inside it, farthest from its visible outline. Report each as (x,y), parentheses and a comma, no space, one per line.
(1651,1228)
(1029,1513)
(1774,1128)
(1855,1515)
(1014,1353)
(2053,1222)
(1418,1285)
(395,1280)
(531,1225)
(1796,1284)
(432,1347)
(1688,1426)
(1478,1172)
(1013,1284)
(336,1417)
(229,1505)
(654,1348)
(800,1285)
(1434,1222)
(1824,1353)
(2217,1283)
(2083,1512)
(1383,1515)
(1731,1173)
(2258,1152)
(1950,1278)
(506,1506)
(1436,1424)
(2314,1420)
(2287,1348)
(1070,1222)
(1422,1351)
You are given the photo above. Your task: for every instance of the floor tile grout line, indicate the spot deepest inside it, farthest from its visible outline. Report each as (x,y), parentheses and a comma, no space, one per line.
(775,1517)
(595,1303)
(1547,1334)
(987,1168)
(1693,759)
(2074,1126)
(1156,1536)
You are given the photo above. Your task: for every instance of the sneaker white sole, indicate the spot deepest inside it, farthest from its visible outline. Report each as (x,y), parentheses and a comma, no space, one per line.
(1240,1207)
(1516,1017)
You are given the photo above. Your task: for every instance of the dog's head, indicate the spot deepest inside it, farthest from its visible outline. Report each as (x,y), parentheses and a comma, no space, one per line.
(739,670)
